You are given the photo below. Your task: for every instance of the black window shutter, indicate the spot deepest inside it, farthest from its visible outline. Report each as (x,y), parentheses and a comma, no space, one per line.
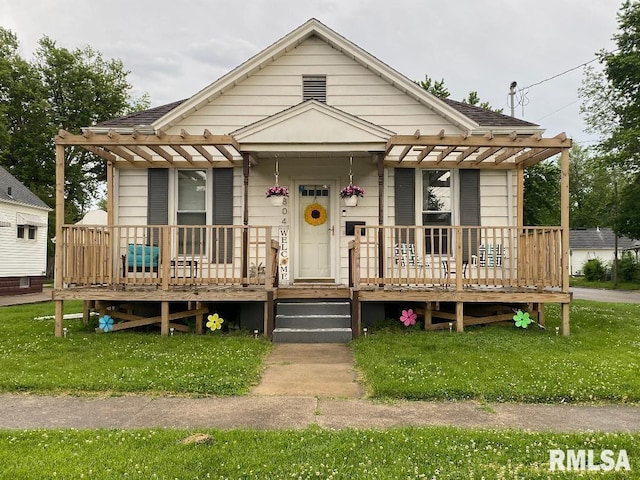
(469,209)
(157,202)
(222,250)
(405,194)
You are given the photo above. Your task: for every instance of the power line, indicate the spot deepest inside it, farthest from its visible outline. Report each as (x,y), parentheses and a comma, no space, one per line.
(568,71)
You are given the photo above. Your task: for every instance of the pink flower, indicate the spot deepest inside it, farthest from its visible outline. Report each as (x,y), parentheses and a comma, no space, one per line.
(408,317)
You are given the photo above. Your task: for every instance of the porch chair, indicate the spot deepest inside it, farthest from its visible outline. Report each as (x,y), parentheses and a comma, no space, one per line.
(405,255)
(140,258)
(490,254)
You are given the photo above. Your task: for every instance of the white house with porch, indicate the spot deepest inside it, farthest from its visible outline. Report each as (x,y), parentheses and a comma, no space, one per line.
(440,221)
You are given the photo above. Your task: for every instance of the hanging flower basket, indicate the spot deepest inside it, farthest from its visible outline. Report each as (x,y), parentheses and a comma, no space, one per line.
(350,193)
(351,201)
(276,194)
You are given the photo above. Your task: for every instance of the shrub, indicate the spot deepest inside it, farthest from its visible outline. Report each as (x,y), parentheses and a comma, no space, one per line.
(594,270)
(628,268)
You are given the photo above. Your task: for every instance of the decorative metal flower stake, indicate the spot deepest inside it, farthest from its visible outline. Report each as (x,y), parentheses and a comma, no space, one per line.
(408,317)
(522,319)
(105,323)
(214,322)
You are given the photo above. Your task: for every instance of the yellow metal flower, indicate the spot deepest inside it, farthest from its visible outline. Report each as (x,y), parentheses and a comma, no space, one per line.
(315,214)
(214,322)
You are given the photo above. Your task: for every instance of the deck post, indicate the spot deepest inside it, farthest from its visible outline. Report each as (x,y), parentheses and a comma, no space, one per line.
(459,317)
(199,319)
(245,217)
(164,319)
(428,319)
(381,255)
(269,315)
(58,283)
(356,313)
(86,310)
(564,221)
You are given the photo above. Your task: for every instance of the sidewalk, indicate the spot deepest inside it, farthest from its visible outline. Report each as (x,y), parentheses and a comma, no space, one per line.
(44,296)
(283,412)
(303,385)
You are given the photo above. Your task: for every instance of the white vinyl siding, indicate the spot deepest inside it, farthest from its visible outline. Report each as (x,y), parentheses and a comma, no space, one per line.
(22,257)
(350,87)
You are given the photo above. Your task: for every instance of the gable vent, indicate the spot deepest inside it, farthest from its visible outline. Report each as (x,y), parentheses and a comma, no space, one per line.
(314,87)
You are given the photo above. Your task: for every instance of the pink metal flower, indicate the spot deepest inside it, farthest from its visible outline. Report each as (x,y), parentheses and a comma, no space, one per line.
(408,317)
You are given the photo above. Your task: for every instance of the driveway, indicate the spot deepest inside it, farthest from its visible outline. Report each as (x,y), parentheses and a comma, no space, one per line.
(602,295)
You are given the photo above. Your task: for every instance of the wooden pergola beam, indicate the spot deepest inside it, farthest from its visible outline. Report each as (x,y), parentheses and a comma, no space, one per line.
(476,141)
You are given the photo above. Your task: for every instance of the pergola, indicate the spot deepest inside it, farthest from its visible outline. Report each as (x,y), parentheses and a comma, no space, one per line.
(148,148)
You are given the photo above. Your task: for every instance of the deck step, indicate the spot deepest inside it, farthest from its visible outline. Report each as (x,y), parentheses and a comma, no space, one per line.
(312,322)
(312,335)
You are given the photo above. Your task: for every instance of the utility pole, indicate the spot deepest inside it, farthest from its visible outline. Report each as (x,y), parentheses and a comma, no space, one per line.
(512,97)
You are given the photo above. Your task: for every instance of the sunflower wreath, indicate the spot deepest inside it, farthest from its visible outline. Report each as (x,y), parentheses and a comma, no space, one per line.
(315,214)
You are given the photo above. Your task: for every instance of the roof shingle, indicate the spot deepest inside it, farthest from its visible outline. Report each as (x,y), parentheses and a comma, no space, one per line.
(19,193)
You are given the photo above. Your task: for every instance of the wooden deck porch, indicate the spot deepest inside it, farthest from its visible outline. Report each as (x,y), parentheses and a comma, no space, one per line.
(201,265)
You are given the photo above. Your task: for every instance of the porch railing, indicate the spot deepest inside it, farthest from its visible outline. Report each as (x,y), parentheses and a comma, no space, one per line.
(456,256)
(168,255)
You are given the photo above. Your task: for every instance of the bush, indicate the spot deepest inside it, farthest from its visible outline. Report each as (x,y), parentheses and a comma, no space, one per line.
(628,268)
(594,270)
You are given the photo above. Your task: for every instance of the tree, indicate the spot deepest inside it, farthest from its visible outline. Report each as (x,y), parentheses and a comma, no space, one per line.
(591,191)
(542,194)
(611,104)
(58,89)
(438,89)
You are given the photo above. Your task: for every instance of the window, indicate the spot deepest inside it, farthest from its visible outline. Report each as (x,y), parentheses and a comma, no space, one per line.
(25,282)
(192,210)
(27,231)
(436,209)
(314,87)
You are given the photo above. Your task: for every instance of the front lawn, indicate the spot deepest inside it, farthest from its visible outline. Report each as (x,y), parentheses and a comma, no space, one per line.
(33,360)
(598,362)
(431,453)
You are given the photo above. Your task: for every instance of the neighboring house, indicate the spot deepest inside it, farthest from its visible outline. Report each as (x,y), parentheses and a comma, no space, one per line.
(23,237)
(590,243)
(439,227)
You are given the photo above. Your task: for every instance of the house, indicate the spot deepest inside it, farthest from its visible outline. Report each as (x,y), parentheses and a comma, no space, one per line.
(590,243)
(440,225)
(23,237)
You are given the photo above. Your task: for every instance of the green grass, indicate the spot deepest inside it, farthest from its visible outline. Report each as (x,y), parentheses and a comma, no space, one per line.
(599,362)
(609,285)
(33,360)
(438,452)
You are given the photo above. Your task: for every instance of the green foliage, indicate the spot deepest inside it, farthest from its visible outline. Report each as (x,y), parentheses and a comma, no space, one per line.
(438,88)
(594,270)
(628,220)
(629,268)
(33,360)
(410,452)
(542,194)
(64,89)
(498,363)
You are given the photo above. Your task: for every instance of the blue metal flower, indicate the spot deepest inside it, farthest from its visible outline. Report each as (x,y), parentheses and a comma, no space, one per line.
(106,323)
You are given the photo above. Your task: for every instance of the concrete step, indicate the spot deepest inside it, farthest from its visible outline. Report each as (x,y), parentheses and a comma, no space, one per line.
(312,335)
(313,308)
(313,321)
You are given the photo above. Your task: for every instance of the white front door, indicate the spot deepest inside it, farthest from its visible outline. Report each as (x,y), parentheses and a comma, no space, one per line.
(315,232)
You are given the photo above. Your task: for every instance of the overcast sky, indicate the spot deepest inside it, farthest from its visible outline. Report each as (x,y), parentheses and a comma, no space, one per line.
(173,49)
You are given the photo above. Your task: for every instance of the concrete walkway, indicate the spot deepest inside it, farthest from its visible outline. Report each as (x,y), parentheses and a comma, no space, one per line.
(310,369)
(278,412)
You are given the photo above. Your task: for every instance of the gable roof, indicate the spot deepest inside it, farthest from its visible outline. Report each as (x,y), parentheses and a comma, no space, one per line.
(466,117)
(313,122)
(597,239)
(19,193)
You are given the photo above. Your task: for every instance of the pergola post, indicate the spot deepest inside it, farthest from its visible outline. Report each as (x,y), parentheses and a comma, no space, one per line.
(564,223)
(57,283)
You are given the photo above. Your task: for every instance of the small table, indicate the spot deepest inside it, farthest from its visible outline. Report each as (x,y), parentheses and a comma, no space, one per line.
(191,265)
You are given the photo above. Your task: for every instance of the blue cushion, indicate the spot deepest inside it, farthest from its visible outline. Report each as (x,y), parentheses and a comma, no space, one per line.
(143,255)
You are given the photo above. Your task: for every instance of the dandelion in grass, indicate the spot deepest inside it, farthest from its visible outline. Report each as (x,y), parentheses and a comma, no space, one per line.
(408,317)
(522,319)
(214,322)
(105,323)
